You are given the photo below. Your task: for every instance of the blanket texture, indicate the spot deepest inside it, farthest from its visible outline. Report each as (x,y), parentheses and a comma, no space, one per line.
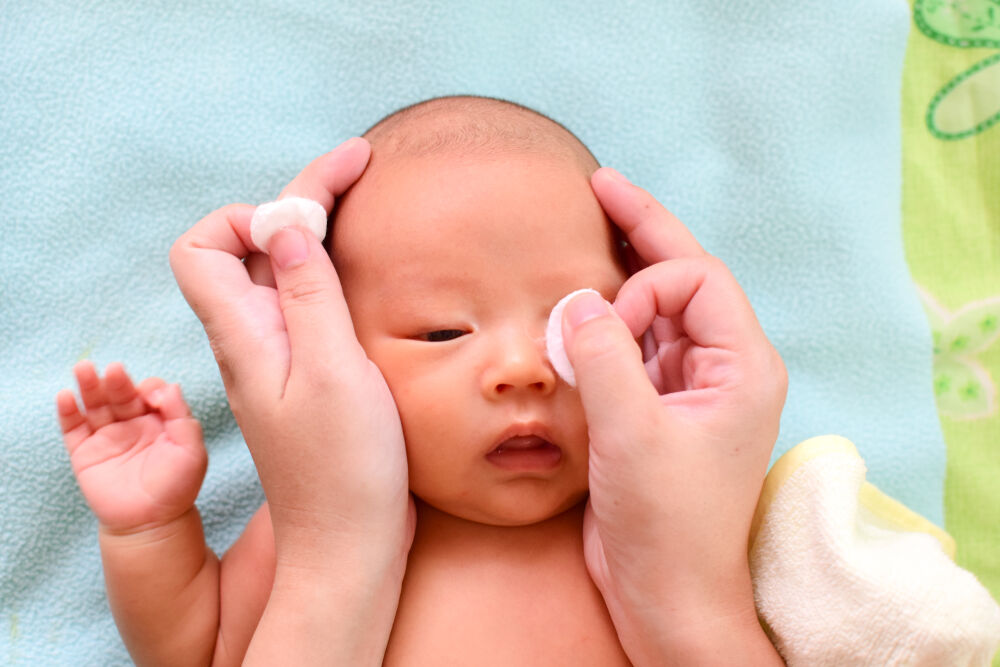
(771,128)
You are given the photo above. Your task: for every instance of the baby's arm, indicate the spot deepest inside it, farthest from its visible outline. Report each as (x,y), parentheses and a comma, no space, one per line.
(139,458)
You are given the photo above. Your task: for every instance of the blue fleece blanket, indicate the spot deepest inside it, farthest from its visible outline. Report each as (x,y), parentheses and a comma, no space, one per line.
(770,127)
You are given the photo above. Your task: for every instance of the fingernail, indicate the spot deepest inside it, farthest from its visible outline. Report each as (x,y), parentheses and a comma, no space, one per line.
(289,248)
(346,144)
(617,175)
(585,307)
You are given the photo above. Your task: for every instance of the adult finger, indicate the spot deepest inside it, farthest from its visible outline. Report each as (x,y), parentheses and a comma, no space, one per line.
(328,176)
(207,261)
(701,295)
(610,374)
(208,264)
(320,330)
(259,267)
(652,230)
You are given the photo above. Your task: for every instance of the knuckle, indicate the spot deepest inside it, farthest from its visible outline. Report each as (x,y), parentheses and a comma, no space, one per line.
(713,265)
(176,254)
(773,378)
(307,291)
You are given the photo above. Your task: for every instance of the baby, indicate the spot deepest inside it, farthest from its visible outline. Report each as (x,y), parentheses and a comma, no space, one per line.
(472,219)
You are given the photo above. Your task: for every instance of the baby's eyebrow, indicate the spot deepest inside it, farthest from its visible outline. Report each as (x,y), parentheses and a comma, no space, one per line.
(413,301)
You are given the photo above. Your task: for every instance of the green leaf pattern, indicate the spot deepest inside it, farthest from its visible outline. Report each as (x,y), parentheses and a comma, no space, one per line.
(970,102)
(963,387)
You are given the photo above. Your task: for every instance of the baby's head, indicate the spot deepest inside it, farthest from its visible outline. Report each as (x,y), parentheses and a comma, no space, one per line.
(473,218)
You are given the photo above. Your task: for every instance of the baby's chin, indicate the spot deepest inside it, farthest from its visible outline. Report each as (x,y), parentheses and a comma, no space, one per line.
(511,510)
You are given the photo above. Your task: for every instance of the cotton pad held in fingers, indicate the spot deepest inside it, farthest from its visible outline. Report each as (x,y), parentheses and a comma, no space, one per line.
(554,345)
(270,217)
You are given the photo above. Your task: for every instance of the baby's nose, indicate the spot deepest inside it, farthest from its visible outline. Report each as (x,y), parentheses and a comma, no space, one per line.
(519,364)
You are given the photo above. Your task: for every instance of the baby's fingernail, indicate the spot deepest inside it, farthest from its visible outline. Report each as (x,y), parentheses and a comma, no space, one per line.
(156,397)
(585,307)
(289,248)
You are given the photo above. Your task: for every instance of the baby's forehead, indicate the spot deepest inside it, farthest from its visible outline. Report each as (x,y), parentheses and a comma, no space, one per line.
(426,206)
(397,186)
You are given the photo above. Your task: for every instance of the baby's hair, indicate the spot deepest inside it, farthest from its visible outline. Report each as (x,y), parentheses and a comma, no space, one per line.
(478,125)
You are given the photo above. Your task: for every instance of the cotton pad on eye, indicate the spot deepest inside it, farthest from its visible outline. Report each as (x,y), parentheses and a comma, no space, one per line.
(270,217)
(554,338)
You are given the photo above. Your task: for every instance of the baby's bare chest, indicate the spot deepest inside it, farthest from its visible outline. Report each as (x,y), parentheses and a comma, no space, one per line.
(482,613)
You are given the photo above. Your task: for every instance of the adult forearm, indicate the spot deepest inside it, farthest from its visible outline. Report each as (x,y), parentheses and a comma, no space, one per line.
(694,630)
(162,585)
(340,615)
(724,643)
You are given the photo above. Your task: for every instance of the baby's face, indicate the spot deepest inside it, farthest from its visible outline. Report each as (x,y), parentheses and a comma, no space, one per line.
(450,266)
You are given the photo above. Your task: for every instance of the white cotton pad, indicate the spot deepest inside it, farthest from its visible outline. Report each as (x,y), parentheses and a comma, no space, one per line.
(554,338)
(270,217)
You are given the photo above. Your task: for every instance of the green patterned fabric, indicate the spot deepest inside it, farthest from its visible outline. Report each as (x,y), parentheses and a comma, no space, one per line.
(951,228)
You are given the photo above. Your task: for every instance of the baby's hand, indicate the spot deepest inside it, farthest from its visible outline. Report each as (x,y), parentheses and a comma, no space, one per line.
(137,453)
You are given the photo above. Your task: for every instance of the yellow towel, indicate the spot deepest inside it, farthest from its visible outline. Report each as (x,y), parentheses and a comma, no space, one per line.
(845,575)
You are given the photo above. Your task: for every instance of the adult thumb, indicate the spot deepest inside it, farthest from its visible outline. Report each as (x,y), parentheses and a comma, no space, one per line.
(607,362)
(311,298)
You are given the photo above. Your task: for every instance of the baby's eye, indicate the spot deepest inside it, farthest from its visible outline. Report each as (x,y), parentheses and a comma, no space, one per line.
(442,335)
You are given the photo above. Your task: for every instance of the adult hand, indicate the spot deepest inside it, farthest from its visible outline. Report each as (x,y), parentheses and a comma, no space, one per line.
(680,436)
(316,414)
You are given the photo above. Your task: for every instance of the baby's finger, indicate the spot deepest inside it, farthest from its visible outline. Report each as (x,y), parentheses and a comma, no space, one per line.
(328,176)
(185,432)
(72,423)
(123,399)
(148,387)
(170,402)
(650,228)
(95,400)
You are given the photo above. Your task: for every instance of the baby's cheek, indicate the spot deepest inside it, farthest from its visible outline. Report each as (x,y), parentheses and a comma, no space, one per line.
(429,425)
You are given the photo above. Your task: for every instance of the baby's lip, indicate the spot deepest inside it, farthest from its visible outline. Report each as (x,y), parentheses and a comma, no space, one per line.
(523,436)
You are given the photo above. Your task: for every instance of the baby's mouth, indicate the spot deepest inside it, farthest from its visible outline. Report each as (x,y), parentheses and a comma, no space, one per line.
(525,453)
(522,443)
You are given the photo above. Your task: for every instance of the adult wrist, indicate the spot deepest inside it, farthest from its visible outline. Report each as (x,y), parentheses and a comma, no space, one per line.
(341,613)
(733,637)
(695,621)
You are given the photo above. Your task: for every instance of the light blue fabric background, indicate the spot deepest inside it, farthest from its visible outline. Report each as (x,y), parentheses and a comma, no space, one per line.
(770,127)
